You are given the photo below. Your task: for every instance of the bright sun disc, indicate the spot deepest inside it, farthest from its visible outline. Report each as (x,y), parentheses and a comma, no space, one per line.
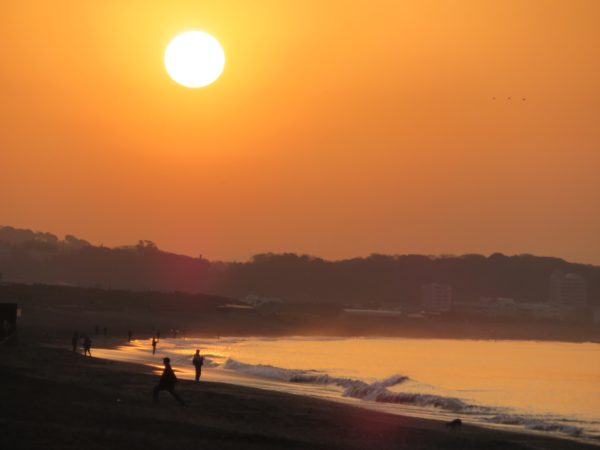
(194,59)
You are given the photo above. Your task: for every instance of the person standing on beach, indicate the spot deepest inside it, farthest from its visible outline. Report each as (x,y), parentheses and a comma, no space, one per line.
(129,334)
(154,341)
(198,362)
(75,340)
(167,383)
(87,346)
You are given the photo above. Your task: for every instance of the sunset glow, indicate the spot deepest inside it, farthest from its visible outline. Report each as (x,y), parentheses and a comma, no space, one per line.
(302,224)
(194,59)
(337,129)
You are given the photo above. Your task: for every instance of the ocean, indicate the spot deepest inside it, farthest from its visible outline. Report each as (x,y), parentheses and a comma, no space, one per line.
(540,387)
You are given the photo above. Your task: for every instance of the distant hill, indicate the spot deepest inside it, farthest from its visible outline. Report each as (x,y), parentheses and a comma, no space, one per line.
(377,280)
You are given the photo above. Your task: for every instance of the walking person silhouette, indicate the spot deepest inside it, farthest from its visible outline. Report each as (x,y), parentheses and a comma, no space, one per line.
(87,346)
(167,383)
(198,362)
(154,341)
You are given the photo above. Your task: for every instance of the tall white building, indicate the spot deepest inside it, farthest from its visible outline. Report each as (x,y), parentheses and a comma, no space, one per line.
(567,289)
(436,297)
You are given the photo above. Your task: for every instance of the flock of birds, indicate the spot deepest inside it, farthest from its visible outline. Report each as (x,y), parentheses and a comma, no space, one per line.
(510,98)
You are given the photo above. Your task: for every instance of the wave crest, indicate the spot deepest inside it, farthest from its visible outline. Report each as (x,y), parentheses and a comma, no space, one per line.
(533,423)
(378,392)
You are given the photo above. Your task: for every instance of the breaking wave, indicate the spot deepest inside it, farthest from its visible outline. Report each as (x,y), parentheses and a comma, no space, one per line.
(378,392)
(209,363)
(537,424)
(262,370)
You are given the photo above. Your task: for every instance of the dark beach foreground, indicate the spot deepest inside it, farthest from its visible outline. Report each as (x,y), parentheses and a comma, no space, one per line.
(53,398)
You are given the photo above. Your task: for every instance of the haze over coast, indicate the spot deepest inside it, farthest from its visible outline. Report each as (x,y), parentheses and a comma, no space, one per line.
(374,222)
(377,280)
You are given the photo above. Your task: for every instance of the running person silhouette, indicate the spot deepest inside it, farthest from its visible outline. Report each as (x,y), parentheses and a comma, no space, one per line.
(167,383)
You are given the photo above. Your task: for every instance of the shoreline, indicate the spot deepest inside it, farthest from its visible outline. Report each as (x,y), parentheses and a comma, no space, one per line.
(111,401)
(62,333)
(525,422)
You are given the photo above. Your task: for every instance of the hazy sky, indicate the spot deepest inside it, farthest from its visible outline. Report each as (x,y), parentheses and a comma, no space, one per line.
(338,128)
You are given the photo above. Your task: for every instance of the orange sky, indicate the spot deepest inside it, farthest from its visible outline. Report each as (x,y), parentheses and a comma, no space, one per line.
(337,129)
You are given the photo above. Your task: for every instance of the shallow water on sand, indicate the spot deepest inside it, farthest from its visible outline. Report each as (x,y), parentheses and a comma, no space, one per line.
(551,387)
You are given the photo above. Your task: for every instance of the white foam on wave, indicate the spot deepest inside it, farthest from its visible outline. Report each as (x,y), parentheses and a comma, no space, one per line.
(378,392)
(537,424)
(428,400)
(351,387)
(262,370)
(209,363)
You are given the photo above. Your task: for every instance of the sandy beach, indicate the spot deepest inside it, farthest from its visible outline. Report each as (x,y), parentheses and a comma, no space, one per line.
(56,399)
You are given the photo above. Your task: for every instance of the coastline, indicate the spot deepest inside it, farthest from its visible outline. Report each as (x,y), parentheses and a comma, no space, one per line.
(108,405)
(370,389)
(55,309)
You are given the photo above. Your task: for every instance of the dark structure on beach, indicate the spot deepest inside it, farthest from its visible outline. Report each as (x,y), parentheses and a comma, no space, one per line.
(8,322)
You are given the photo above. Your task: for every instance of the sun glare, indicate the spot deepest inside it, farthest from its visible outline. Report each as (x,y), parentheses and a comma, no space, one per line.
(194,59)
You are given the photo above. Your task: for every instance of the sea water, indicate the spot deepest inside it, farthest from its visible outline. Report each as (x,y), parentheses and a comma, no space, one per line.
(549,387)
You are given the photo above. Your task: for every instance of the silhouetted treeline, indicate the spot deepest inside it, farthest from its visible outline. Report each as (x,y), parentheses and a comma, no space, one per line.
(23,238)
(377,280)
(391,280)
(104,299)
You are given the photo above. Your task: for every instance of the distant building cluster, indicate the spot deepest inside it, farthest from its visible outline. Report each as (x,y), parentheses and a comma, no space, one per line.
(256,302)
(567,301)
(436,297)
(567,289)
(497,307)
(502,307)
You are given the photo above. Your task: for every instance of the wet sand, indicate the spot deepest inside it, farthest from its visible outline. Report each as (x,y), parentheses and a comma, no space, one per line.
(53,398)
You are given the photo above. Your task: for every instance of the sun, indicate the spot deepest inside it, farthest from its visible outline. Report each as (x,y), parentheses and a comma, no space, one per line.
(194,59)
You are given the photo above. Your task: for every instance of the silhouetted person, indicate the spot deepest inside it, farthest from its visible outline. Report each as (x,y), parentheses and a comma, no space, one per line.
(198,362)
(154,341)
(75,340)
(167,383)
(105,331)
(129,334)
(87,346)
